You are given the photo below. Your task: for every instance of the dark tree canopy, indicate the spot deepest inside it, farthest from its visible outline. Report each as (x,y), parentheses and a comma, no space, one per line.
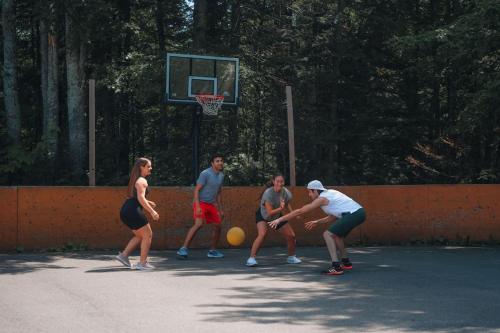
(384,92)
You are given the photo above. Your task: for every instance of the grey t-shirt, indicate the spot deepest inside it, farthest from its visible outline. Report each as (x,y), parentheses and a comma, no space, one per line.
(274,198)
(211,181)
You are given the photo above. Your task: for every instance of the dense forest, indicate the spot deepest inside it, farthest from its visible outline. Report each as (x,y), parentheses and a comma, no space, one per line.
(384,91)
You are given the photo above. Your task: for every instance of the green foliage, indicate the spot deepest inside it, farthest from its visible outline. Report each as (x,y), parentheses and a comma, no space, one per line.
(73,247)
(384,92)
(24,167)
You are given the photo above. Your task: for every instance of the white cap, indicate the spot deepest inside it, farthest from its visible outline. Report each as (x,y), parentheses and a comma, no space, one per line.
(315,185)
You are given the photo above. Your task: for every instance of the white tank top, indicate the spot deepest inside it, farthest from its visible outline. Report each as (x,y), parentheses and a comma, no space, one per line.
(338,203)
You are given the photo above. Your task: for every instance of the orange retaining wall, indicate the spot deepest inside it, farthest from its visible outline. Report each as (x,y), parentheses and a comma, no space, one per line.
(52,217)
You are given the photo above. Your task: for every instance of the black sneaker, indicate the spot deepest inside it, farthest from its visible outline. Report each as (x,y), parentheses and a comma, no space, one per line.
(346,264)
(334,270)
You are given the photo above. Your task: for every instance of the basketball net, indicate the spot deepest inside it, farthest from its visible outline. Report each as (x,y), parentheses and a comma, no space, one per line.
(211,104)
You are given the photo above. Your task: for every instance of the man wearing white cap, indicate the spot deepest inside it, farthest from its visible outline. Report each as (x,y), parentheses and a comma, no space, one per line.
(336,205)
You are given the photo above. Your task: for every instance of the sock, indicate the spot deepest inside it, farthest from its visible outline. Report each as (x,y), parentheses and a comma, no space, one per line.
(336,264)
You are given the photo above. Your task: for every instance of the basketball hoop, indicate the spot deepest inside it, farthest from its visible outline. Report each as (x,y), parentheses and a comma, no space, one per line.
(211,104)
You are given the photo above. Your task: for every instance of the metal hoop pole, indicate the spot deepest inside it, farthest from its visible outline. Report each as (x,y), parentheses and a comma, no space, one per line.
(197,113)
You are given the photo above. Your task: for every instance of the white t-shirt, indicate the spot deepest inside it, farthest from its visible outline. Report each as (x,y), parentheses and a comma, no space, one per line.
(338,203)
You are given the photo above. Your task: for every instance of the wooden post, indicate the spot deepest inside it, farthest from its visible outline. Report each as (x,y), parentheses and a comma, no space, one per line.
(91,132)
(291,135)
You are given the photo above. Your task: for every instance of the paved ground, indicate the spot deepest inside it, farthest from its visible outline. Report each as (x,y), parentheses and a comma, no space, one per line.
(391,289)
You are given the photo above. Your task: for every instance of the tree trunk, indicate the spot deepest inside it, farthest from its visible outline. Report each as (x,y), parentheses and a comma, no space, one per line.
(50,82)
(160,26)
(124,111)
(11,97)
(125,121)
(75,57)
(234,43)
(200,25)
(51,131)
(44,37)
(333,170)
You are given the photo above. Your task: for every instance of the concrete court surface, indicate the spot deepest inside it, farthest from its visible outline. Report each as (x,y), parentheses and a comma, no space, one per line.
(390,289)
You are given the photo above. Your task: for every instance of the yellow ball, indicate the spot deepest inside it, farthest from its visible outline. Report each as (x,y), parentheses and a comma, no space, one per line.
(235,236)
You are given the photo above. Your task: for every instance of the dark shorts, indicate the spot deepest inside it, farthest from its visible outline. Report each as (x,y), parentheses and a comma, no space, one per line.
(260,218)
(132,214)
(347,222)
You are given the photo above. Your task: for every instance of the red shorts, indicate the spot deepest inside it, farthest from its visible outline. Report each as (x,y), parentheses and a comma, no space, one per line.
(208,212)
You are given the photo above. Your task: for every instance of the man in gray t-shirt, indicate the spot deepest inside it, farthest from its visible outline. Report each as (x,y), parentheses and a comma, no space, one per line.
(207,206)
(211,181)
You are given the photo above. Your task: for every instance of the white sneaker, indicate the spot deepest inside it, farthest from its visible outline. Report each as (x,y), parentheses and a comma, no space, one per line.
(293,260)
(146,267)
(251,262)
(124,260)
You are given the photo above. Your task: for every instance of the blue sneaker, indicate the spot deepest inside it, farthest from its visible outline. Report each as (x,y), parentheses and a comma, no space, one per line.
(293,260)
(183,252)
(251,262)
(214,254)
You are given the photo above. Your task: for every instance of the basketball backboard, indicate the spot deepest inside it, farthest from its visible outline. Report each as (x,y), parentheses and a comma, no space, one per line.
(189,75)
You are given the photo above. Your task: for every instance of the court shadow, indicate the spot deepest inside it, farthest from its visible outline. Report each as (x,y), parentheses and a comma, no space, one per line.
(26,263)
(389,289)
(108,270)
